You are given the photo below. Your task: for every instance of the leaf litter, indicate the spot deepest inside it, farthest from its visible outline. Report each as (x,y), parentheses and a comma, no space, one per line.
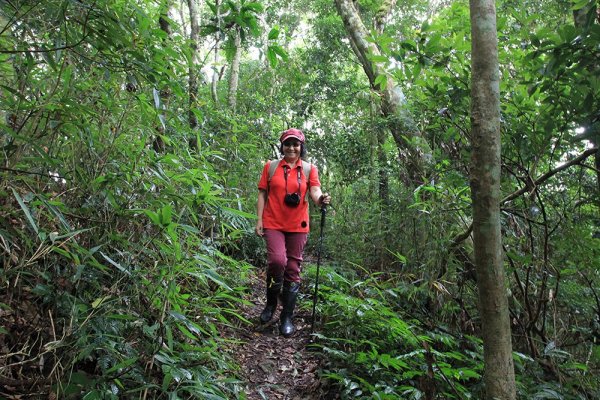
(272,366)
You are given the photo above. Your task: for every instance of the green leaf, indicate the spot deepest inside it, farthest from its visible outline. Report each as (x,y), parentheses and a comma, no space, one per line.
(272,57)
(378,58)
(96,303)
(153,216)
(116,264)
(547,394)
(212,275)
(124,364)
(187,332)
(433,44)
(416,70)
(274,33)
(122,317)
(578,5)
(410,45)
(212,6)
(254,28)
(240,213)
(256,7)
(71,234)
(576,365)
(93,395)
(166,215)
(167,379)
(51,205)
(13,91)
(26,211)
(192,326)
(381,80)
(398,256)
(280,52)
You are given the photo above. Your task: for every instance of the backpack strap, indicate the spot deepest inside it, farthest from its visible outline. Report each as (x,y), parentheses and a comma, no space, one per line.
(273,164)
(306,168)
(272,168)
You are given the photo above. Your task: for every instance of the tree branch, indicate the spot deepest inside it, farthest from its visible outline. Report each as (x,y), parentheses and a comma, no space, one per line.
(65,47)
(20,171)
(384,11)
(549,174)
(577,160)
(40,50)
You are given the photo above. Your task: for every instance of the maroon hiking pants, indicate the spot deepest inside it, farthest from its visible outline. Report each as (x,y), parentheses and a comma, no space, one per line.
(284,253)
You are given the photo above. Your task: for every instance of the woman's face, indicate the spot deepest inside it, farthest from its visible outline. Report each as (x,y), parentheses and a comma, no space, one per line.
(292,149)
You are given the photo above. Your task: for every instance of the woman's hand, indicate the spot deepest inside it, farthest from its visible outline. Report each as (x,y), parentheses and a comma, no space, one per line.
(318,197)
(259,228)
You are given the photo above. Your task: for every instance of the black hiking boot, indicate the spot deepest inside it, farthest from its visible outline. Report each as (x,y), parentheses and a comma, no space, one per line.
(290,293)
(273,291)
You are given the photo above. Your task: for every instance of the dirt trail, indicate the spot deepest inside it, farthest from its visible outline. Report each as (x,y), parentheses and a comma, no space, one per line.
(274,367)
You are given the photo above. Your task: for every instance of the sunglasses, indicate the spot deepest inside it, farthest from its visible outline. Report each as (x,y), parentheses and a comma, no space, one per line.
(291,143)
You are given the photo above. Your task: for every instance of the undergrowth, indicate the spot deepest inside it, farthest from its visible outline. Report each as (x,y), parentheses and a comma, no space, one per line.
(378,343)
(123,282)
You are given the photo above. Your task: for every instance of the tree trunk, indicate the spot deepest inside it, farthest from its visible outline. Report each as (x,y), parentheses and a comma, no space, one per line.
(407,136)
(215,76)
(163,20)
(383,168)
(193,73)
(382,13)
(164,93)
(235,69)
(582,17)
(499,378)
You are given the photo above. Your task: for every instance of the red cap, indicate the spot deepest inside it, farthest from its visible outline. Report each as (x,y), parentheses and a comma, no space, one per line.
(292,133)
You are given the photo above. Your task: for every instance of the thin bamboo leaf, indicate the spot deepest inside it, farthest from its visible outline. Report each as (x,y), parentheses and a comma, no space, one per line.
(116,264)
(26,211)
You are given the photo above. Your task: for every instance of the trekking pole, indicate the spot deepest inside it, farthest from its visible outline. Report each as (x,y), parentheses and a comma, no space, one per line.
(323,212)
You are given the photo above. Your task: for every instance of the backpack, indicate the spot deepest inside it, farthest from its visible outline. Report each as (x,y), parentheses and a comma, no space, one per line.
(306,168)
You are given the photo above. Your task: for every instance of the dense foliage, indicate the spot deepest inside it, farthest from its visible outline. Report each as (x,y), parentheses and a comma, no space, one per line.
(126,228)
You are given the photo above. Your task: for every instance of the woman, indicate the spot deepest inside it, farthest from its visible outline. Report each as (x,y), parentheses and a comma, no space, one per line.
(283,221)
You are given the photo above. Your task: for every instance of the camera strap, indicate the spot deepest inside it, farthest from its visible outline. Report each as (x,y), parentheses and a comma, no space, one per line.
(306,167)
(285,174)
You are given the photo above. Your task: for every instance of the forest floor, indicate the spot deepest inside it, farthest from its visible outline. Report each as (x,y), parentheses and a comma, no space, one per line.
(274,367)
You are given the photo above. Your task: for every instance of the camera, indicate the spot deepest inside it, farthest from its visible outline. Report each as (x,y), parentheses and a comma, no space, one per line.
(292,199)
